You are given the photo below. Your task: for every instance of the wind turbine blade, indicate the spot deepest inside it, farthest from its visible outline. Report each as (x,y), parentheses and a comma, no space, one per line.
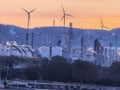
(106,27)
(63,9)
(61,18)
(101,21)
(32,10)
(68,15)
(25,10)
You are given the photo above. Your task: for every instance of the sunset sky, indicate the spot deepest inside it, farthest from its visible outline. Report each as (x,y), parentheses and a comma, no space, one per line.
(86,12)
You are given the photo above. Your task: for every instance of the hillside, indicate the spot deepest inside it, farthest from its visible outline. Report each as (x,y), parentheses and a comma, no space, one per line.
(44,35)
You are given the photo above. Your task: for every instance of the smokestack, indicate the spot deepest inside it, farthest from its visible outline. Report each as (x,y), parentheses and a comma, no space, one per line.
(70,25)
(26,38)
(113,56)
(32,39)
(53,23)
(70,35)
(110,51)
(116,38)
(82,46)
(105,52)
(16,38)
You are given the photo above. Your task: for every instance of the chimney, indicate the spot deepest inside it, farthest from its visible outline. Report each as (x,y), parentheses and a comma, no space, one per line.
(70,24)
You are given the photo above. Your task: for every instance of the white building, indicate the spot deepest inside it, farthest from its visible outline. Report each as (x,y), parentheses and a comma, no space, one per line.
(3,49)
(8,49)
(57,51)
(44,51)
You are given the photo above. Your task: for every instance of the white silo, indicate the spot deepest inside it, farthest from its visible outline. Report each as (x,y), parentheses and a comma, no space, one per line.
(57,51)
(45,51)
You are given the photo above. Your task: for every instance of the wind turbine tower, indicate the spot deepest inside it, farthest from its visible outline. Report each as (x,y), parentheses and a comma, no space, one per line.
(29,16)
(64,16)
(102,24)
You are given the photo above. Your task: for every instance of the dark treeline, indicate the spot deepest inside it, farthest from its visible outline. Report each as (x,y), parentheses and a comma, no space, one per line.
(61,70)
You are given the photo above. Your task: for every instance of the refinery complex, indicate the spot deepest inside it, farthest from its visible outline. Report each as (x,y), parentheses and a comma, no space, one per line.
(98,53)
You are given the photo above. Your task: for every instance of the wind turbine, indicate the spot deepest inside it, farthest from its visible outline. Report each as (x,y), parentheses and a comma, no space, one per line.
(29,16)
(64,15)
(102,24)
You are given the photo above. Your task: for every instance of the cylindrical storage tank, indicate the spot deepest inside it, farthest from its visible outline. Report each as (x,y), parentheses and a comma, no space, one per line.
(57,51)
(45,51)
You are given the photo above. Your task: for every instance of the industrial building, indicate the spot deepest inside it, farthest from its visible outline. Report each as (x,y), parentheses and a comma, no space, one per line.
(46,51)
(12,49)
